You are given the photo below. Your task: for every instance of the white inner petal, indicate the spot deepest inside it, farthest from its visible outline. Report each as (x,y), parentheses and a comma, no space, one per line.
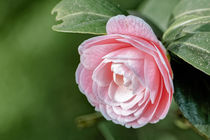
(117,68)
(122,76)
(123,94)
(127,82)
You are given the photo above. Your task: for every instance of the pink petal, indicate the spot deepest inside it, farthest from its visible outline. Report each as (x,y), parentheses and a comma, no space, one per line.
(151,109)
(119,119)
(83,77)
(102,75)
(143,103)
(117,94)
(103,94)
(136,66)
(130,25)
(91,57)
(102,109)
(133,101)
(119,111)
(163,52)
(111,113)
(152,77)
(100,92)
(98,40)
(161,63)
(125,54)
(163,106)
(131,58)
(123,94)
(78,72)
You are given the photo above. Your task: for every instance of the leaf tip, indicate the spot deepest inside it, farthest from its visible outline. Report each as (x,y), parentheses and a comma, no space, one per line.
(56,28)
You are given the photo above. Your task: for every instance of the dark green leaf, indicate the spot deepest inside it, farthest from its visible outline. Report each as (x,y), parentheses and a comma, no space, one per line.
(192,88)
(188,35)
(84,16)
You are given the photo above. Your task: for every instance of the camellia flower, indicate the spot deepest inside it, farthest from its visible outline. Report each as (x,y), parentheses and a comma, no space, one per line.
(125,74)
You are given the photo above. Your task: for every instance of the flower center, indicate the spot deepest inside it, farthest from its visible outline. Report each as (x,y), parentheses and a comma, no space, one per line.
(124,78)
(118,79)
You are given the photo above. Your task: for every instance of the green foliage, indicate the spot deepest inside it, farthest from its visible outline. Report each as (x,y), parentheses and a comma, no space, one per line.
(158,11)
(85,16)
(192,95)
(187,38)
(188,35)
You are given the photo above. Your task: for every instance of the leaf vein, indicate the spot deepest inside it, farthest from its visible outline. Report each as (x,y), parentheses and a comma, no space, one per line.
(183,23)
(80,13)
(192,11)
(192,45)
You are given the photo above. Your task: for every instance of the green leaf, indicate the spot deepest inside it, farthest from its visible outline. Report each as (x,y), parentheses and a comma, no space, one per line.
(192,95)
(189,32)
(158,11)
(84,16)
(194,7)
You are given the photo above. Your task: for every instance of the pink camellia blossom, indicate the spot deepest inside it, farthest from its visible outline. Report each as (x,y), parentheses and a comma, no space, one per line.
(125,74)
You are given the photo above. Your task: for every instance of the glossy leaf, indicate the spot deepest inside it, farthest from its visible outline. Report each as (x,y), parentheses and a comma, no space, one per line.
(188,35)
(192,95)
(84,16)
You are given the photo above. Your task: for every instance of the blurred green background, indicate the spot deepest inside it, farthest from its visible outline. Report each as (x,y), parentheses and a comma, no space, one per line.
(39,99)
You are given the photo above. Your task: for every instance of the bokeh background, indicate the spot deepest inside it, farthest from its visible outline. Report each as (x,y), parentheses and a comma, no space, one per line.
(39,99)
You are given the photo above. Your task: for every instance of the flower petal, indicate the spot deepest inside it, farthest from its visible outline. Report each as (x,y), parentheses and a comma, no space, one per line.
(130,25)
(152,77)
(102,75)
(91,57)
(85,82)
